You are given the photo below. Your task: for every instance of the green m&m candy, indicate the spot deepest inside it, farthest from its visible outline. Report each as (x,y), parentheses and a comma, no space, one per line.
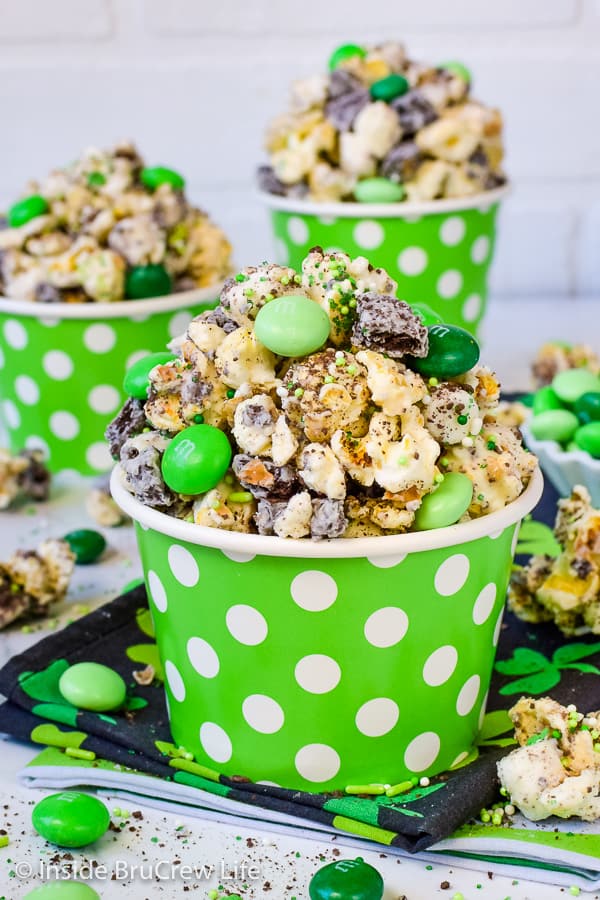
(196,459)
(90,685)
(63,889)
(587,407)
(457,68)
(390,87)
(452,351)
(346,51)
(96,179)
(572,383)
(347,879)
(292,326)
(24,210)
(554,425)
(426,314)
(446,504)
(137,376)
(147,281)
(153,177)
(70,819)
(378,190)
(587,438)
(86,544)
(544,399)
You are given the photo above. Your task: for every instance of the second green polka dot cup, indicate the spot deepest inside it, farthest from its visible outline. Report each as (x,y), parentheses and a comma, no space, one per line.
(439,252)
(62,368)
(318,665)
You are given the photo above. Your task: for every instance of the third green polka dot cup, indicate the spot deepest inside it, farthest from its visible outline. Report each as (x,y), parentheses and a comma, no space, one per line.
(317,665)
(439,252)
(62,368)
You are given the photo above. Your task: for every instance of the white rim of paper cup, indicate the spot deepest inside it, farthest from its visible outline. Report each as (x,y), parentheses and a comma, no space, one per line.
(353,210)
(117,310)
(371,547)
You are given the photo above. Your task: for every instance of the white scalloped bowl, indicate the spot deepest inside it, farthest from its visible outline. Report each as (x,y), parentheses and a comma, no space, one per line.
(566,468)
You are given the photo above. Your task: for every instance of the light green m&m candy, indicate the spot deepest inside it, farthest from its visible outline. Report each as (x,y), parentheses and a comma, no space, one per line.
(147,281)
(24,210)
(70,819)
(90,685)
(554,425)
(587,438)
(137,377)
(153,177)
(389,88)
(63,890)
(196,459)
(346,51)
(446,504)
(544,399)
(292,326)
(378,190)
(572,383)
(457,68)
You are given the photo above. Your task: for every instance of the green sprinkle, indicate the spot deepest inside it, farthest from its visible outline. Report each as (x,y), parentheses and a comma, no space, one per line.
(429,868)
(3,840)
(433,382)
(299,392)
(240,497)
(541,736)
(352,303)
(241,277)
(402,460)
(96,179)
(399,788)
(481,497)
(374,789)
(351,370)
(199,419)
(485,816)
(297,279)
(154,840)
(574,890)
(340,361)
(462,420)
(76,753)
(230,393)
(285,279)
(491,445)
(344,310)
(444,461)
(458,896)
(556,733)
(329,379)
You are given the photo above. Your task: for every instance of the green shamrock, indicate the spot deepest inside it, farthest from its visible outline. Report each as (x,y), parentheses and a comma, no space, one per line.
(146,654)
(540,673)
(535,538)
(495,724)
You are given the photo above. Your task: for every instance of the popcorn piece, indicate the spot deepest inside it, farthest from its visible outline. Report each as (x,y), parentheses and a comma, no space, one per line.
(254,424)
(101,507)
(32,580)
(140,460)
(379,126)
(321,472)
(139,240)
(289,519)
(263,479)
(247,292)
(241,359)
(556,770)
(129,422)
(390,326)
(394,388)
(452,414)
(23,475)
(553,358)
(403,452)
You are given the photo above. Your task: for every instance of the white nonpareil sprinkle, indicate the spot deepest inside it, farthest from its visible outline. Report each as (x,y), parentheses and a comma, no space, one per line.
(467,442)
(477,425)
(282,391)
(424,782)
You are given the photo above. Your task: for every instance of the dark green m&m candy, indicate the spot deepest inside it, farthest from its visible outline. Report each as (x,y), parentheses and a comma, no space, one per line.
(70,819)
(346,51)
(347,879)
(147,281)
(587,407)
(452,351)
(153,177)
(137,380)
(196,459)
(24,210)
(389,88)
(86,544)
(587,438)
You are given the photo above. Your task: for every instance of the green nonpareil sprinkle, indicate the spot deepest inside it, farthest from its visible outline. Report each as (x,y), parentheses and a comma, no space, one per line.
(290,385)
(433,382)
(96,179)
(344,310)
(240,277)
(574,890)
(240,497)
(285,279)
(351,370)
(230,394)
(439,478)
(249,292)
(352,303)
(340,361)
(329,379)
(481,497)
(556,733)
(462,420)
(402,460)
(491,445)
(297,279)
(299,392)
(269,297)
(444,461)
(199,419)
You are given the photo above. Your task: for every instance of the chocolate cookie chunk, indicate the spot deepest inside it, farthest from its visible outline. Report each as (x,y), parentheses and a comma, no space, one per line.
(328,520)
(130,421)
(141,462)
(266,514)
(402,161)
(343,110)
(388,325)
(34,481)
(263,478)
(269,182)
(414,112)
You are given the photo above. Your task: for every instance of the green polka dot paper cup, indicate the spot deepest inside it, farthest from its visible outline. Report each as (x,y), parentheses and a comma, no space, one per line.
(319,665)
(438,252)
(62,368)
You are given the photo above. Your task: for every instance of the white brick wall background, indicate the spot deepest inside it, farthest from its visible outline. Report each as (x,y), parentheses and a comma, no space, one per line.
(194,81)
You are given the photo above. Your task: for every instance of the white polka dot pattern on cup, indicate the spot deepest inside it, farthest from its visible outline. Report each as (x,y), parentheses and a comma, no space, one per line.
(99,338)
(15,334)
(2,358)
(480,249)
(412,261)
(183,566)
(440,665)
(11,414)
(452,575)
(368,234)
(157,591)
(468,695)
(377,717)
(27,390)
(317,762)
(263,714)
(484,604)
(498,628)
(175,681)
(472,307)
(104,398)
(179,322)
(297,230)
(216,742)
(449,284)
(317,673)
(246,624)
(34,442)
(386,627)
(281,252)
(422,751)
(64,425)
(453,231)
(386,562)
(58,365)
(203,657)
(98,457)
(314,591)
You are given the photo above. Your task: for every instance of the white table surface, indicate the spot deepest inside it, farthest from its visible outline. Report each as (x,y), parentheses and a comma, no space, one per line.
(285,863)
